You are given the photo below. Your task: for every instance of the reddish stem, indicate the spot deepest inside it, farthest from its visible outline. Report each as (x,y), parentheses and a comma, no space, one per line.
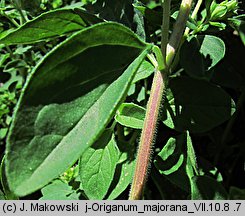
(147,136)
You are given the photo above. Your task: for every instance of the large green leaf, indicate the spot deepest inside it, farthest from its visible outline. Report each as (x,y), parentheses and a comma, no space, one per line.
(200,54)
(97,166)
(48,25)
(67,102)
(196,105)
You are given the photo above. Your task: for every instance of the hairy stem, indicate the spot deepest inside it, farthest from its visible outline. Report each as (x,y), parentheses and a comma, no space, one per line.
(147,136)
(154,104)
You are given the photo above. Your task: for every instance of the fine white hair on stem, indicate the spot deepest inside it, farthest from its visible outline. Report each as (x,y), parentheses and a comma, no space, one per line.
(154,104)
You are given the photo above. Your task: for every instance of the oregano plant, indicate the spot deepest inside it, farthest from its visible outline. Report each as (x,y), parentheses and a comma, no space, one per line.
(120,99)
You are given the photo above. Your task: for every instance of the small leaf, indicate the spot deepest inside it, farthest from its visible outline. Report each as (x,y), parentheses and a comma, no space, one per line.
(141,96)
(170,162)
(206,188)
(97,166)
(220,25)
(58,190)
(168,149)
(130,115)
(196,105)
(67,103)
(48,25)
(3,132)
(207,168)
(171,157)
(144,71)
(200,54)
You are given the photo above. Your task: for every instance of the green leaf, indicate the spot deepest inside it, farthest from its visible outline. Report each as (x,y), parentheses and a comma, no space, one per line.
(170,162)
(58,190)
(120,11)
(67,102)
(196,105)
(97,166)
(49,25)
(229,74)
(200,54)
(141,96)
(130,115)
(3,58)
(2,197)
(238,23)
(144,71)
(124,170)
(220,25)
(206,188)
(207,168)
(154,17)
(191,154)
(8,193)
(242,32)
(207,6)
(171,157)
(3,132)
(191,164)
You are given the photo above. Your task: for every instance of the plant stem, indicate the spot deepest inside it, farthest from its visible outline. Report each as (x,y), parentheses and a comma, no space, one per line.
(10,19)
(196,9)
(194,14)
(147,136)
(18,8)
(178,30)
(165,27)
(154,104)
(10,51)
